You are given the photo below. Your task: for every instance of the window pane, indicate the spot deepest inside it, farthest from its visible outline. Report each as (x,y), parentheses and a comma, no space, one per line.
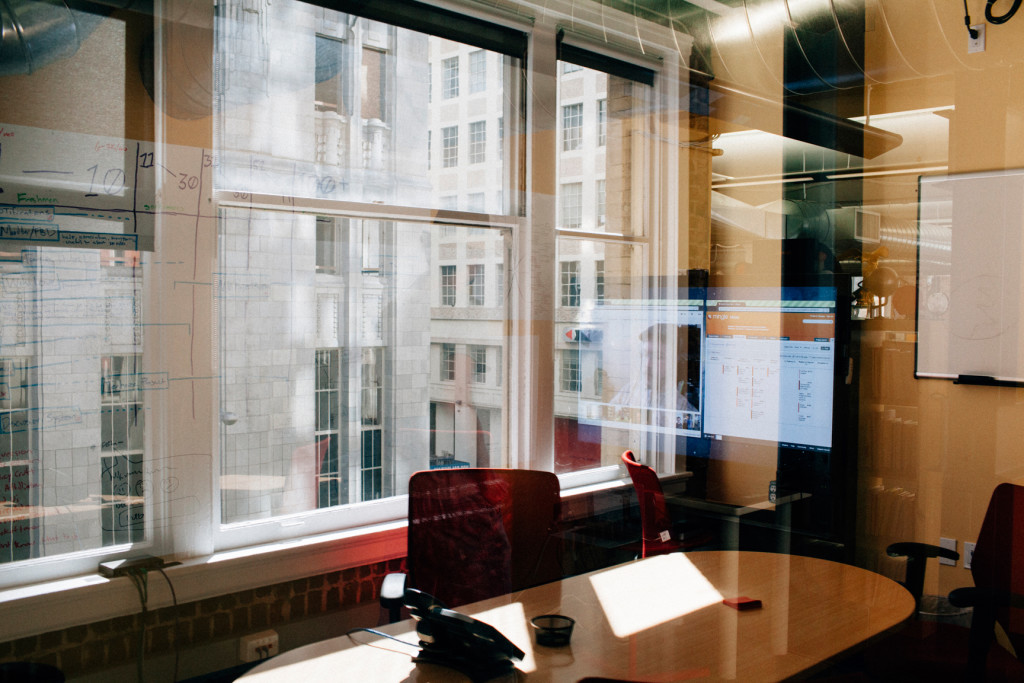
(362,132)
(328,417)
(80,413)
(627,363)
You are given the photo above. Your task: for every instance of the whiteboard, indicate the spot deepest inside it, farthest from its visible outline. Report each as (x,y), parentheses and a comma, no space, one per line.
(970,230)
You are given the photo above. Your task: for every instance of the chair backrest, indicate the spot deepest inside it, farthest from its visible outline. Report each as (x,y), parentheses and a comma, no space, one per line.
(476,533)
(998,561)
(655,523)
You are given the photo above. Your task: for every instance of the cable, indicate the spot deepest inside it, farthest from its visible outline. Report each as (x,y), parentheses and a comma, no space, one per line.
(378,633)
(967,22)
(140,577)
(177,641)
(1003,18)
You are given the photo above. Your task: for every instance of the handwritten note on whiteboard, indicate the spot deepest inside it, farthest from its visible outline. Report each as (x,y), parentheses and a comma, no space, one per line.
(65,189)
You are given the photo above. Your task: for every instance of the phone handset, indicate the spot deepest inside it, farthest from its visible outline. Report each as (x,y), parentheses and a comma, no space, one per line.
(458,641)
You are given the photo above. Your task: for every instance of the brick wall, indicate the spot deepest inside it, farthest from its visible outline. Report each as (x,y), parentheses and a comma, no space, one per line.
(113,642)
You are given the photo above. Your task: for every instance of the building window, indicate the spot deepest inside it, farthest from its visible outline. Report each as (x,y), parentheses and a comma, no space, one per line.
(570,68)
(331,91)
(327,400)
(374,72)
(476,284)
(121,450)
(478,363)
(477,142)
(371,468)
(447,362)
(477,71)
(571,206)
(430,146)
(476,202)
(499,283)
(449,146)
(326,246)
(602,122)
(599,280)
(601,215)
(569,281)
(447,285)
(570,371)
(572,127)
(450,78)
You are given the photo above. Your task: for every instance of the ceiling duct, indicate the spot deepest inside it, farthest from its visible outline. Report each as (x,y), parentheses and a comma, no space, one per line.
(36,33)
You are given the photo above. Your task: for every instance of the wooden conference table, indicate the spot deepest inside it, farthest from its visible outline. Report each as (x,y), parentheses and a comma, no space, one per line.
(659,619)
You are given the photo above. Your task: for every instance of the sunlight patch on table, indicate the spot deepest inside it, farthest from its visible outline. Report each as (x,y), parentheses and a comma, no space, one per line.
(511,621)
(639,596)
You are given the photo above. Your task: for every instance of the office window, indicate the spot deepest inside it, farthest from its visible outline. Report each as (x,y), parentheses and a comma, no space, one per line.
(450,146)
(450,78)
(572,127)
(570,374)
(477,71)
(602,122)
(321,320)
(447,362)
(327,401)
(570,198)
(478,363)
(477,142)
(601,217)
(569,281)
(447,285)
(476,284)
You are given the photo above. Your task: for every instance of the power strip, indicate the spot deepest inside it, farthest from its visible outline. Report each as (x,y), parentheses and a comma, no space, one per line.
(129,565)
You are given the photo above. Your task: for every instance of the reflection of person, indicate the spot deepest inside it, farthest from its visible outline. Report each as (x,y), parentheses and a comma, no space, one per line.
(656,343)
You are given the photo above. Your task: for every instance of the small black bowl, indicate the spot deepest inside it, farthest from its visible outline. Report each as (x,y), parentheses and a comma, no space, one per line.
(552,630)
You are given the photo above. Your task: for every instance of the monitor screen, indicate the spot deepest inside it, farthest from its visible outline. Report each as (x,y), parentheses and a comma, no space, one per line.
(769,365)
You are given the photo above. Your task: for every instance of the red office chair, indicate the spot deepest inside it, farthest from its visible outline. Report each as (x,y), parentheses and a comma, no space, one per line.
(939,651)
(476,533)
(658,533)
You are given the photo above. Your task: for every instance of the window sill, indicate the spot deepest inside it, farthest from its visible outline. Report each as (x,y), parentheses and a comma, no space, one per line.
(44,607)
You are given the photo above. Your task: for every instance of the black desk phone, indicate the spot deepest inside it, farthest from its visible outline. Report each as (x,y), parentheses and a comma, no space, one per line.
(452,639)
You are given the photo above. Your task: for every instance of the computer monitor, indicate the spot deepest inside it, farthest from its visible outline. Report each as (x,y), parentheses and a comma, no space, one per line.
(769,364)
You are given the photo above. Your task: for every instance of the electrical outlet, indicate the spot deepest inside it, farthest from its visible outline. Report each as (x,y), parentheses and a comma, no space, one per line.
(976,44)
(968,554)
(256,646)
(949,544)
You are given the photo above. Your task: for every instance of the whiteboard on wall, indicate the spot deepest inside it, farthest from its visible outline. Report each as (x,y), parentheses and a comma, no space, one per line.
(970,232)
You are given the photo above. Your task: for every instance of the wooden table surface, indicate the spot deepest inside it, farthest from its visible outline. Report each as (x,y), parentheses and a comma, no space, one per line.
(660,619)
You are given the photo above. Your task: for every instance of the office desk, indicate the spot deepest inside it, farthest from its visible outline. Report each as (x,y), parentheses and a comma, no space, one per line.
(659,619)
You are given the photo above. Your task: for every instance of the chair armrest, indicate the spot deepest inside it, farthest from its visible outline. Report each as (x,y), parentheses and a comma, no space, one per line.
(392,595)
(974,596)
(985,603)
(916,554)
